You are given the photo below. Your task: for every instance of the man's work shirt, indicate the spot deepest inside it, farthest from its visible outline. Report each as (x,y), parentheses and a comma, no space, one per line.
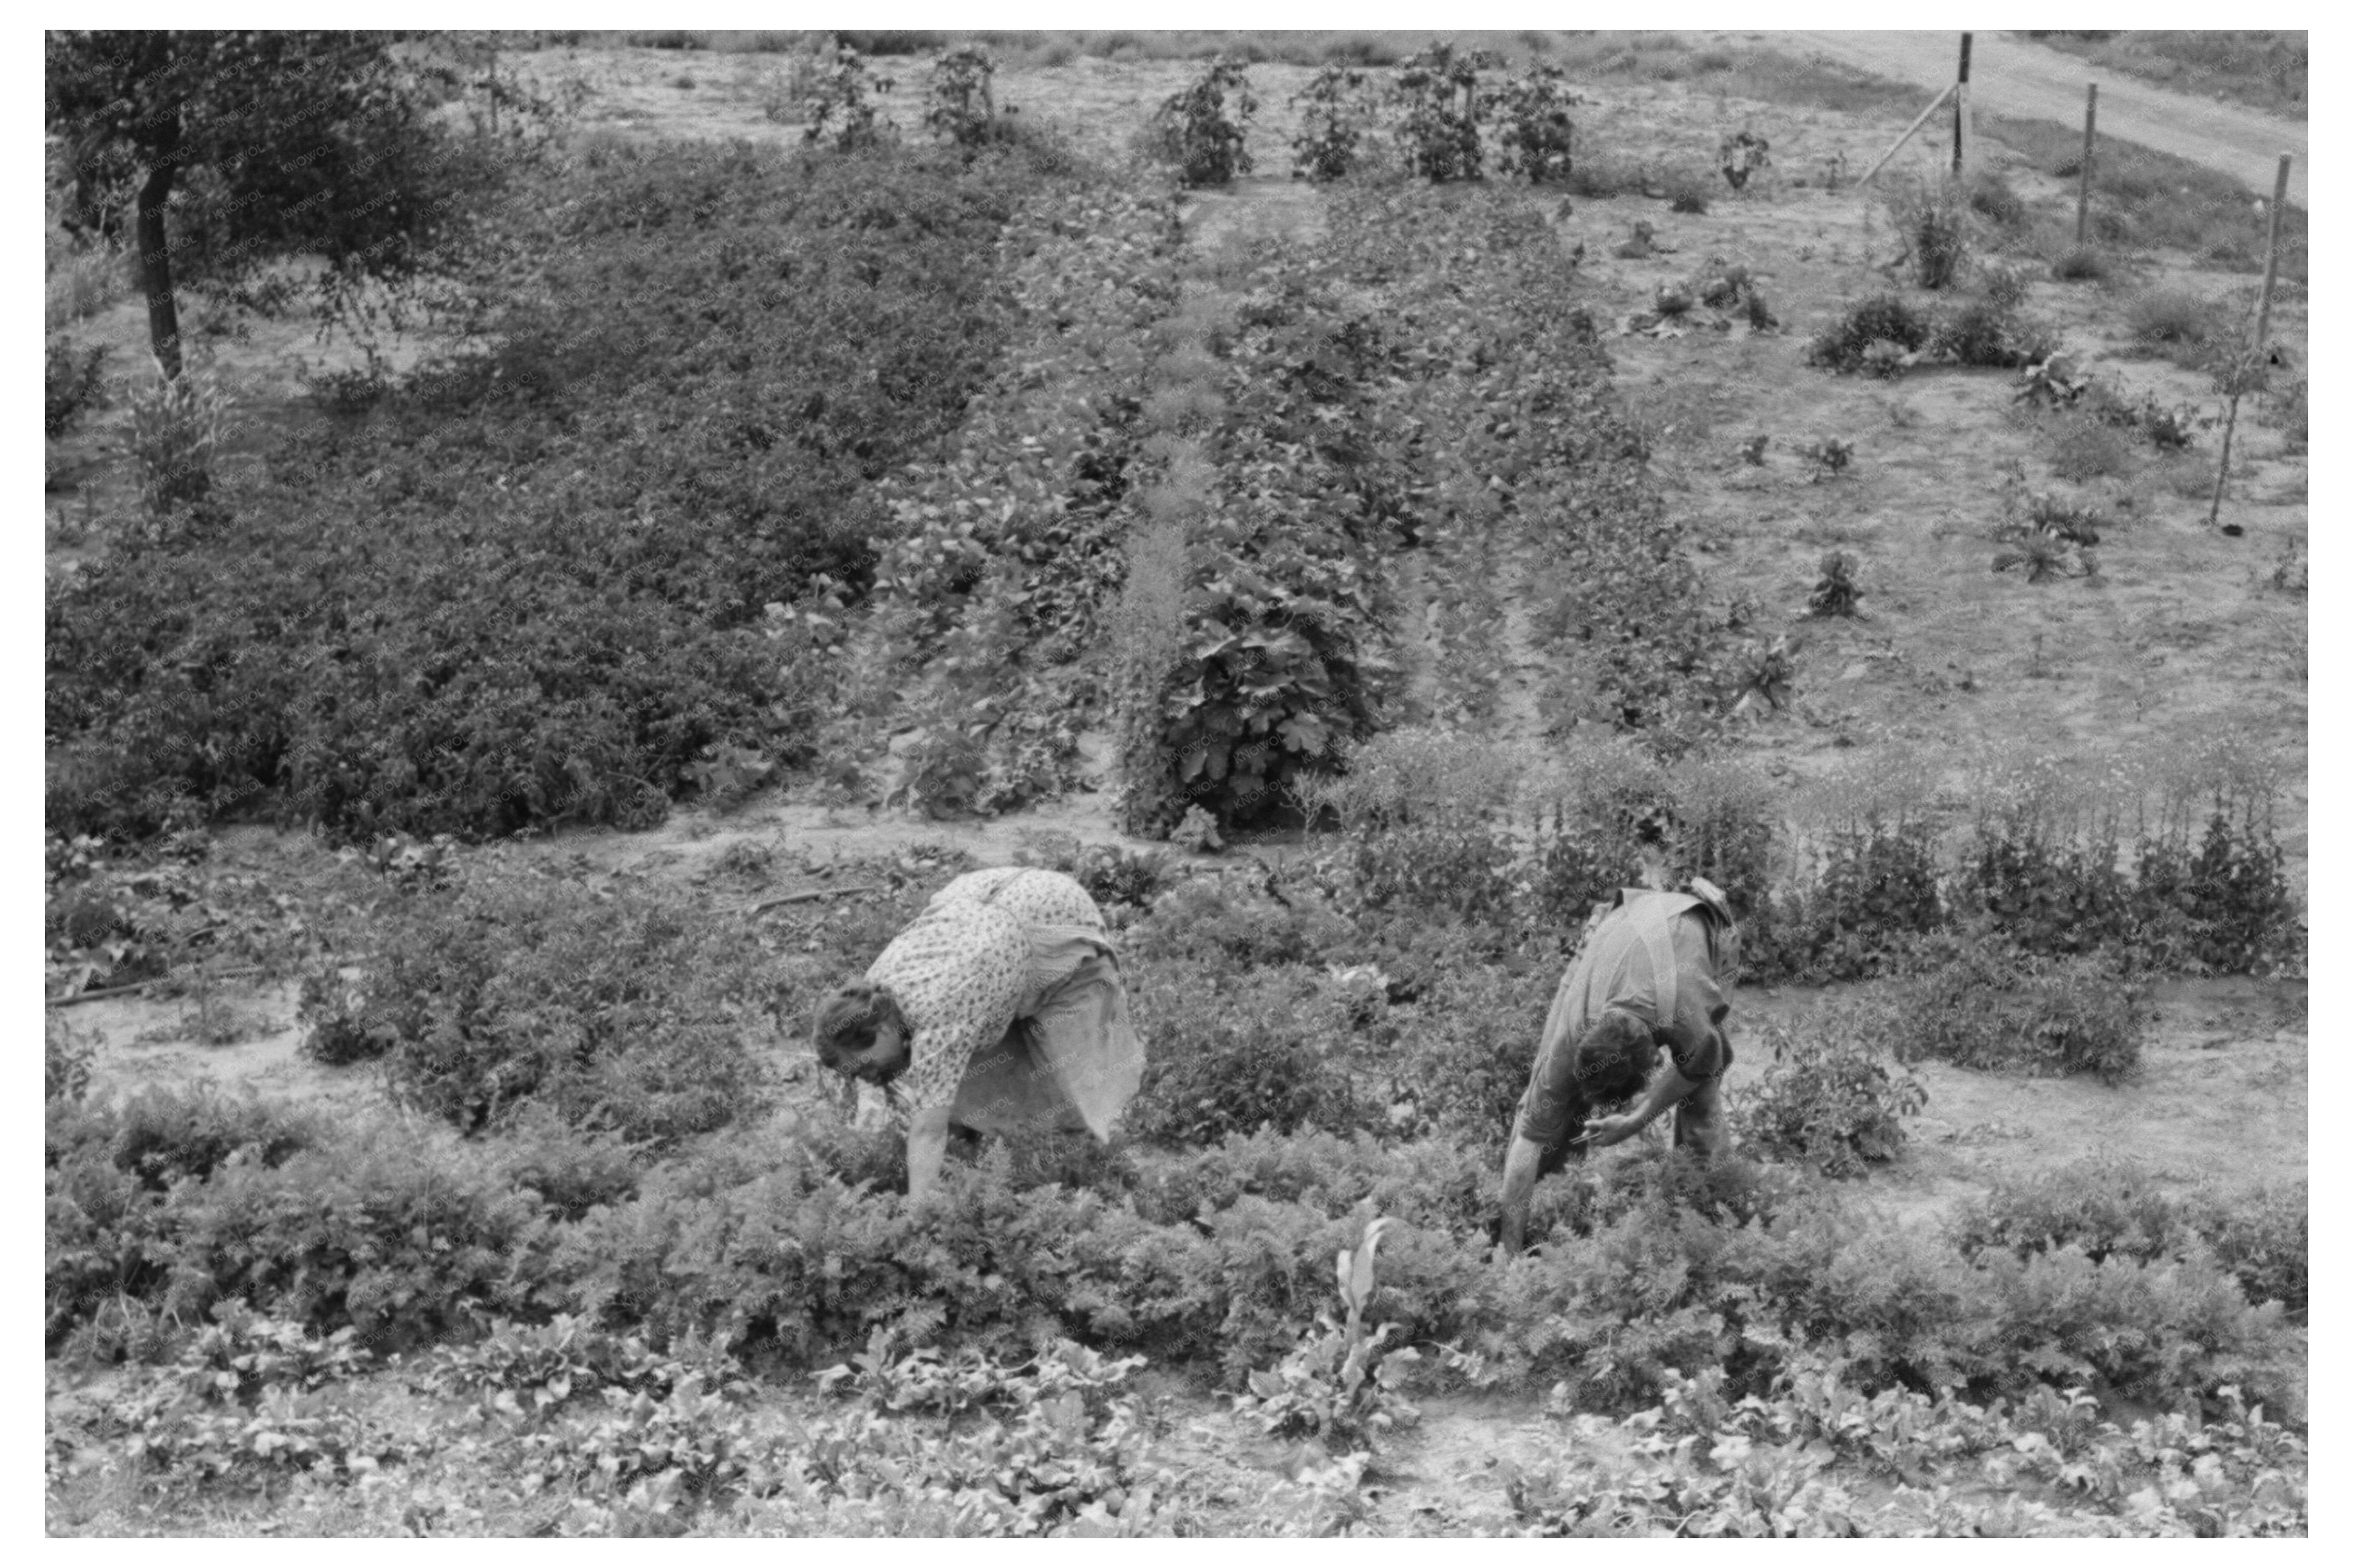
(1656,957)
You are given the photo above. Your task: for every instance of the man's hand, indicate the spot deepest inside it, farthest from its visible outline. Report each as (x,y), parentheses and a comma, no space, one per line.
(1605,1131)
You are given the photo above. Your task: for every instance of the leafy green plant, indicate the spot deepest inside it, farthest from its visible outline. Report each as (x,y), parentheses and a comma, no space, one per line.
(961,107)
(1437,109)
(2174,321)
(840,103)
(1340,1385)
(617,1013)
(1239,1056)
(1831,1097)
(1931,218)
(1884,318)
(1535,136)
(176,423)
(1828,458)
(1203,130)
(1834,592)
(1987,333)
(1988,1006)
(1052,1446)
(1335,112)
(65,1057)
(1740,154)
(72,383)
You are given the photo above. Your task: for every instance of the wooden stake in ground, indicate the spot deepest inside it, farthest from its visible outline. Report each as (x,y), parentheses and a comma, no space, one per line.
(2254,363)
(2083,188)
(1961,108)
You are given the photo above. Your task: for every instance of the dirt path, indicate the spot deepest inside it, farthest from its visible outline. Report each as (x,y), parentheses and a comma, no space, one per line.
(2010,75)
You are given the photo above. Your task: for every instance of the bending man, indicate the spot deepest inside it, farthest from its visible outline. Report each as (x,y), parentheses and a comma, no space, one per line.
(999,1008)
(1650,979)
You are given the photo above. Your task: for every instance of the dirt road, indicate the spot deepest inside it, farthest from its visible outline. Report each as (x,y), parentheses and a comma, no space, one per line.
(2010,75)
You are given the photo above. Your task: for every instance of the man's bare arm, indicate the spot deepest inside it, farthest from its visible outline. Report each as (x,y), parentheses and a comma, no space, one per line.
(1519,1181)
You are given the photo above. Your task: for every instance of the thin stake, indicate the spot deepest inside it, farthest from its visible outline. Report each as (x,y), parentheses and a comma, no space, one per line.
(1909,132)
(2084,189)
(1961,103)
(2254,350)
(2270,252)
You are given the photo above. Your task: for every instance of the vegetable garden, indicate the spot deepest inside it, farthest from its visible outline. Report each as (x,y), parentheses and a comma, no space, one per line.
(952,476)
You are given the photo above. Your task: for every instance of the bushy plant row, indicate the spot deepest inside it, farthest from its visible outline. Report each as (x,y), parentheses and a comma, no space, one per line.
(1060,1442)
(1274,529)
(1005,553)
(760,1245)
(614,1009)
(527,589)
(1504,400)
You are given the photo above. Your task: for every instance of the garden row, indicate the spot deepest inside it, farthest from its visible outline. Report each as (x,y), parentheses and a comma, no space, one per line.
(527,588)
(630,1441)
(618,1050)
(1217,1258)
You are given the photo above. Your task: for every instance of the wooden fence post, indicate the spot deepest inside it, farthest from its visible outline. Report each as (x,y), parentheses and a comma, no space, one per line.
(2254,349)
(2084,187)
(1961,105)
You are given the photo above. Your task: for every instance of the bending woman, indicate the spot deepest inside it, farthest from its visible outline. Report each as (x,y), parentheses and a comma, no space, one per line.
(1000,1008)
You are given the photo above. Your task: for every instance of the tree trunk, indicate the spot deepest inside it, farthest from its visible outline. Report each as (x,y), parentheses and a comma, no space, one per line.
(155,269)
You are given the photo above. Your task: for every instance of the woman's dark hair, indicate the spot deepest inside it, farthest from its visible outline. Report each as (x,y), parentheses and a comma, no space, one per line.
(848,1020)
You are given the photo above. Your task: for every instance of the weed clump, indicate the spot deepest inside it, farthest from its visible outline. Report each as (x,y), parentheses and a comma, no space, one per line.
(1931,217)
(1882,318)
(2082,264)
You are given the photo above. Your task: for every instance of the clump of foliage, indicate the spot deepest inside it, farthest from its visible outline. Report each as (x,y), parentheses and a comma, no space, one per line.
(1834,592)
(72,383)
(1236,1054)
(1987,1003)
(618,1012)
(1830,1096)
(1881,319)
(176,424)
(1988,333)
(1741,155)
(1828,458)
(1335,113)
(1052,1444)
(2081,263)
(1537,134)
(2173,321)
(1436,93)
(961,108)
(840,103)
(1990,197)
(2106,1206)
(1203,130)
(1340,1386)
(1931,218)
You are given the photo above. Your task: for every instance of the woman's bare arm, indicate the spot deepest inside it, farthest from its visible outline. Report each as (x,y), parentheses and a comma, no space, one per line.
(927,1145)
